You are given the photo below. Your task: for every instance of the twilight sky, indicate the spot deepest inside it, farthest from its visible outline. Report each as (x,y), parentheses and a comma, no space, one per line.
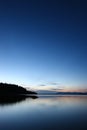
(43,43)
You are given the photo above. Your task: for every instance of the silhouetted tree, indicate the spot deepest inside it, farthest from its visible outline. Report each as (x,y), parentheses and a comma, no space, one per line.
(11,89)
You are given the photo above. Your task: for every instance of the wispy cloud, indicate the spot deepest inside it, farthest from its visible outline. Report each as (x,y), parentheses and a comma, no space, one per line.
(53,83)
(56,89)
(42,85)
(50,86)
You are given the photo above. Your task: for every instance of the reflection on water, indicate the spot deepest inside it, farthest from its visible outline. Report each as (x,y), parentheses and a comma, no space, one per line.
(44,113)
(4,100)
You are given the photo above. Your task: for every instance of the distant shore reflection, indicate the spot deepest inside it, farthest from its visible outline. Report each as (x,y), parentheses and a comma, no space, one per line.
(4,100)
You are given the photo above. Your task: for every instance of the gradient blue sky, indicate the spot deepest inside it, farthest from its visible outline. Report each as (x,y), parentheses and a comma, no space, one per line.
(43,42)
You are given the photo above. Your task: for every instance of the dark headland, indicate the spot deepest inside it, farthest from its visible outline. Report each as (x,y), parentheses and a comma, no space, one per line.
(11,93)
(12,89)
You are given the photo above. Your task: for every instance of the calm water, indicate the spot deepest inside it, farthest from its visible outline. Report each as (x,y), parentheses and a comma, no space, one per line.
(44,113)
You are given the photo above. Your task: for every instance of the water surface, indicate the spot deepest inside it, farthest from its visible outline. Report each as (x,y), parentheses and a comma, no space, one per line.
(44,113)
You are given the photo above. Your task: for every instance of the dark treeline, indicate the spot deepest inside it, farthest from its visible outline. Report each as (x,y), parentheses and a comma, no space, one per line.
(11,89)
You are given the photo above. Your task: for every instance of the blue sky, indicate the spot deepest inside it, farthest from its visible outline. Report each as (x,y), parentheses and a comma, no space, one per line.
(43,41)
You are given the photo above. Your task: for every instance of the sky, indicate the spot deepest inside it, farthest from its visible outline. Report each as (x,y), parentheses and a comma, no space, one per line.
(43,43)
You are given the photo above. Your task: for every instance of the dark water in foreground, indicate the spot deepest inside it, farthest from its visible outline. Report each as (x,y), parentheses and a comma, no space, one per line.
(45,113)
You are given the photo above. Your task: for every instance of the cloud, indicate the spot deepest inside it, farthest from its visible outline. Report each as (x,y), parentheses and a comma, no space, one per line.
(49,84)
(54,84)
(56,89)
(42,85)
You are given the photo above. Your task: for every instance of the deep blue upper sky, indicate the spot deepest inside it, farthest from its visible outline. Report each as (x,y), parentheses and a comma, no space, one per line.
(43,41)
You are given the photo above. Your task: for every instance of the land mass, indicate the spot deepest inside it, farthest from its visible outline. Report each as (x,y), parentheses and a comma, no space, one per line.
(71,93)
(11,93)
(48,92)
(12,89)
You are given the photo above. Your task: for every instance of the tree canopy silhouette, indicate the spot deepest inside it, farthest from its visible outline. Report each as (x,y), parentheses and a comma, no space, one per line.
(12,89)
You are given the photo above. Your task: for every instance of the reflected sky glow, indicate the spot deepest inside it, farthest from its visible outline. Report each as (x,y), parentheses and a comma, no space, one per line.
(45,112)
